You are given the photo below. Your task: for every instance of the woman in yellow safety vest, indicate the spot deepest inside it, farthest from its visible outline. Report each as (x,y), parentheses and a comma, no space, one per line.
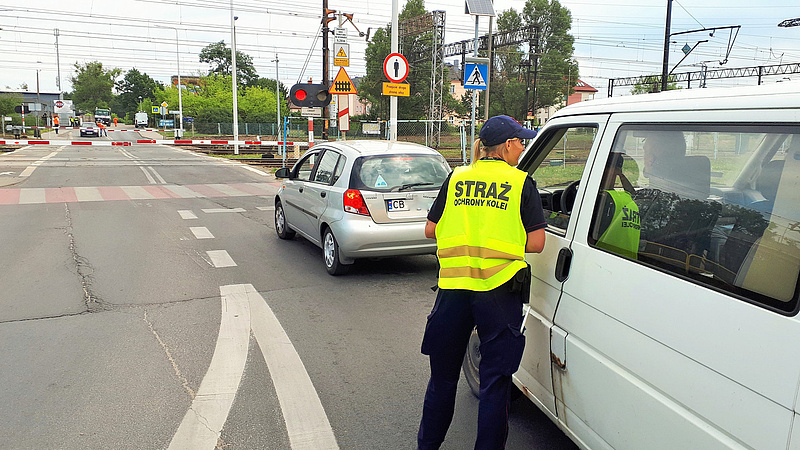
(487,216)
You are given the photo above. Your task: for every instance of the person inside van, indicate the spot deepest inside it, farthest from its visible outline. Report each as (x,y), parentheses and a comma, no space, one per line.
(670,170)
(661,151)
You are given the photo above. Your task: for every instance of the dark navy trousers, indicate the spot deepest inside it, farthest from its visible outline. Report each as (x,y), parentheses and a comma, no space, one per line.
(498,317)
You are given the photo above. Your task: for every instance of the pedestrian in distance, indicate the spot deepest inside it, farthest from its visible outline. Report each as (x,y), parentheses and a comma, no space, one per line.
(115,122)
(55,122)
(102,127)
(486,217)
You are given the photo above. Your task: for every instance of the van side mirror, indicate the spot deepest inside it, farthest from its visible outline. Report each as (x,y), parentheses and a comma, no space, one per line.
(283,172)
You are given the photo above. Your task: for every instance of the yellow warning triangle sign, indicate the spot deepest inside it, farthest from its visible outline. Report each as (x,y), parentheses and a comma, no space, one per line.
(341,53)
(342,84)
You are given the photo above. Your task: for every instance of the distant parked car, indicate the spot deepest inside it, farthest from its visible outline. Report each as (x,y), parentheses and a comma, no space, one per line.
(361,199)
(89,129)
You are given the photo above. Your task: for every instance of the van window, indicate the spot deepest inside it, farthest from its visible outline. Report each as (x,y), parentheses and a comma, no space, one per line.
(557,168)
(717,204)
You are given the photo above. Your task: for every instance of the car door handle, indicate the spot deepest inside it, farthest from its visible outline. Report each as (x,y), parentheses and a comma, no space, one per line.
(322,194)
(562,264)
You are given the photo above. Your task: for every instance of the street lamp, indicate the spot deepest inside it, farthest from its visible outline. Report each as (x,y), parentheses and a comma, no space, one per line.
(38,131)
(233,77)
(140,103)
(179,130)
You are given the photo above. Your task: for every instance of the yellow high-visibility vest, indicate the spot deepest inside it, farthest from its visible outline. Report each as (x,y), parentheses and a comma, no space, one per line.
(623,233)
(480,238)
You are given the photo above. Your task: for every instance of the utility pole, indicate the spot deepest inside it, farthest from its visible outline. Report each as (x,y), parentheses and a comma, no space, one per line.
(58,67)
(665,66)
(491,63)
(395,46)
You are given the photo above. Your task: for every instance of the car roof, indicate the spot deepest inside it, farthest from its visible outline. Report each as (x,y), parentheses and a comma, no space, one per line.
(785,95)
(368,147)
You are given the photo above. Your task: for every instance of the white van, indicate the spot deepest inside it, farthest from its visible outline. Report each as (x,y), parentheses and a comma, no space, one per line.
(663,310)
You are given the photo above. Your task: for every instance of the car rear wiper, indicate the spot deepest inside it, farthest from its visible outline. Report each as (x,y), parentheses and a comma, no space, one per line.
(410,185)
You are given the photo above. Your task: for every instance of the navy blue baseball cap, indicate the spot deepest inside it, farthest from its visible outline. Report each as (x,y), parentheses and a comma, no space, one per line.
(499,129)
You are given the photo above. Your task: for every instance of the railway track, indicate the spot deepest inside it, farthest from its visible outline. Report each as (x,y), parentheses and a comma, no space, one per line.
(274,163)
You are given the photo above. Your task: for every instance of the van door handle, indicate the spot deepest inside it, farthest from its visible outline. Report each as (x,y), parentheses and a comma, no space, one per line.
(322,194)
(563,263)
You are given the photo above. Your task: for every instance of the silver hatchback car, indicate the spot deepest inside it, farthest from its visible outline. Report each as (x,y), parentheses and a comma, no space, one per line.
(361,199)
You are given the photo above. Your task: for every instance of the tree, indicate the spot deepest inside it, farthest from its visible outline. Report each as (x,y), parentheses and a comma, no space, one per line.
(8,102)
(555,64)
(219,56)
(133,85)
(92,85)
(652,84)
(419,77)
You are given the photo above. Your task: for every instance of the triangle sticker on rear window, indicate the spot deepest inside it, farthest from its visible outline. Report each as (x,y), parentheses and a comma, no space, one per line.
(380,182)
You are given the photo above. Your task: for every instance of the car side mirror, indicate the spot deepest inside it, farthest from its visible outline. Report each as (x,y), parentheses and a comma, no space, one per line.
(283,172)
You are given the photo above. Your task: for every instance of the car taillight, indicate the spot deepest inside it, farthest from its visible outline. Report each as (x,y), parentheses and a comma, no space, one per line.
(354,202)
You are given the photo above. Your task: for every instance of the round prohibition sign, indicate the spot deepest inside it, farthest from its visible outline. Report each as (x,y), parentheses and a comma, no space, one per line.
(395,67)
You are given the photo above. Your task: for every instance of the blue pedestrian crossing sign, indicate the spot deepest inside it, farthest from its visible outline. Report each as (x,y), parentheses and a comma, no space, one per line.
(476,76)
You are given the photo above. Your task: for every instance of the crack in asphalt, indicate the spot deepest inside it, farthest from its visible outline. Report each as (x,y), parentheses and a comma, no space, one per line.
(172,361)
(84,269)
(117,306)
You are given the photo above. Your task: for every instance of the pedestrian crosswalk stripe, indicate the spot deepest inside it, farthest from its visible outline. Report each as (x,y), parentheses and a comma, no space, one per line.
(28,196)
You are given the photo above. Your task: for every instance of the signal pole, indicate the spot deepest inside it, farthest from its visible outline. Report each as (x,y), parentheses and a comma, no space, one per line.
(665,66)
(326,19)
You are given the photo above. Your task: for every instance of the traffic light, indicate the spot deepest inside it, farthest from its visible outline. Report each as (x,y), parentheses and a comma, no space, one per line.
(22,109)
(310,95)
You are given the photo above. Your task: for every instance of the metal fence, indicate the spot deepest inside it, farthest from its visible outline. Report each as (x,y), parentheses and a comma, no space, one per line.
(452,139)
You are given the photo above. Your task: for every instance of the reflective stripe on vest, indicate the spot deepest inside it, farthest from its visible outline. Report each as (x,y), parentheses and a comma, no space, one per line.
(622,234)
(480,237)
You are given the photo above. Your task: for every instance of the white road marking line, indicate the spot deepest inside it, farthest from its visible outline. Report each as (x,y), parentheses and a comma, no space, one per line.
(306,422)
(137,193)
(201,233)
(187,214)
(31,195)
(150,178)
(223,210)
(88,194)
(203,422)
(253,169)
(160,178)
(265,208)
(220,258)
(29,170)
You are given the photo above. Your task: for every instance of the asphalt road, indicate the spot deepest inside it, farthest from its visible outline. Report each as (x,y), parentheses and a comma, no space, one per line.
(144,291)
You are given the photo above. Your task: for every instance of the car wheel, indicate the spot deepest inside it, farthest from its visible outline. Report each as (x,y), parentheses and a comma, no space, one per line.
(280,223)
(471,367)
(330,254)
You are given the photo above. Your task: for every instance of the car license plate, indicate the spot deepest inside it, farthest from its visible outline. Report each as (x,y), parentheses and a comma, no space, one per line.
(396,205)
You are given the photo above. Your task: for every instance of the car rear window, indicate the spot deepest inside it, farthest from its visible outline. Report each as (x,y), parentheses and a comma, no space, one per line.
(399,172)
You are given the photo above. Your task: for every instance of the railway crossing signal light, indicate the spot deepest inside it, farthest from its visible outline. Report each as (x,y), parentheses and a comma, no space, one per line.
(310,95)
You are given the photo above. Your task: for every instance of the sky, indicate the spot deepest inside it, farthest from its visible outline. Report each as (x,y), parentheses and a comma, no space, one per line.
(613,38)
